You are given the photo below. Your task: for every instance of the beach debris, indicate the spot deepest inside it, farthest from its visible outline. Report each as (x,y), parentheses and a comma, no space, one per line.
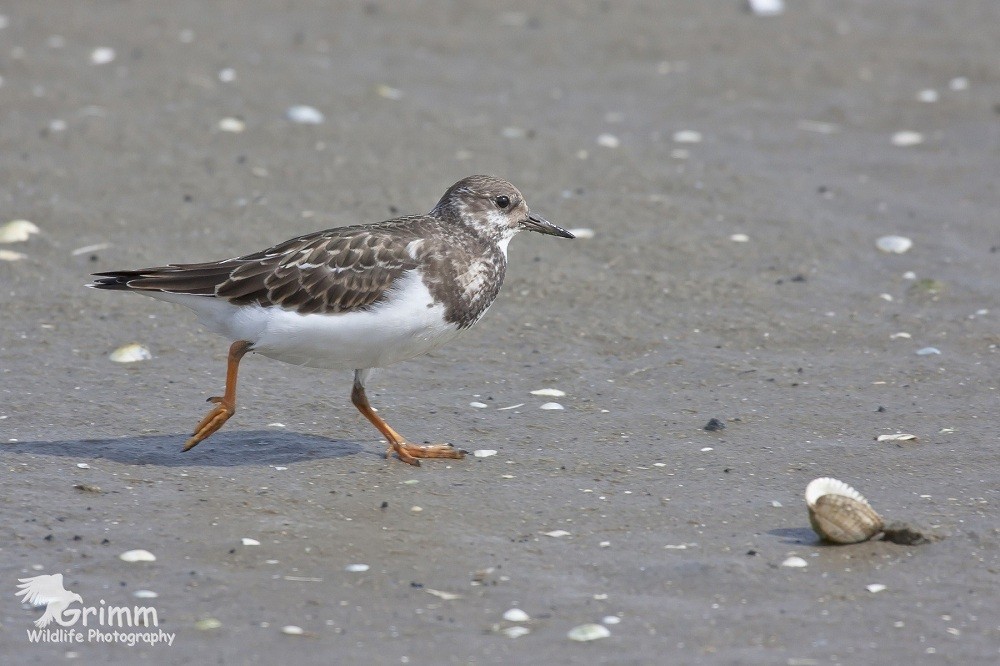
(356,568)
(608,141)
(556,533)
(130,353)
(959,83)
(18,231)
(441,594)
(928,351)
(303,114)
(292,630)
(839,513)
(549,392)
(928,96)
(516,615)
(515,631)
(714,425)
(687,136)
(87,249)
(766,7)
(740,238)
(83,466)
(894,244)
(588,632)
(478,405)
(875,588)
(10,255)
(794,562)
(227,75)
(896,437)
(611,619)
(145,594)
(207,624)
(906,138)
(551,405)
(484,453)
(901,334)
(232,124)
(247,541)
(138,555)
(102,55)
(504,409)
(388,92)
(87,487)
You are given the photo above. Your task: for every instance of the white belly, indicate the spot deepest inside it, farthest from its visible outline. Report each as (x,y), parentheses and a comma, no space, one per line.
(405,325)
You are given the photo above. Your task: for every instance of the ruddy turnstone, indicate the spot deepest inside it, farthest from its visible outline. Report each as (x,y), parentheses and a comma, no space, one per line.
(353,298)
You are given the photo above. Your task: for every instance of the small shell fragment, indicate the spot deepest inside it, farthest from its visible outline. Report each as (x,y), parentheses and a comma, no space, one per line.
(207,624)
(484,453)
(10,255)
(839,513)
(549,393)
(551,405)
(556,533)
(894,244)
(896,437)
(766,7)
(130,353)
(441,594)
(928,351)
(18,231)
(515,632)
(356,568)
(516,615)
(687,136)
(795,562)
(907,138)
(588,632)
(478,405)
(247,541)
(145,594)
(138,555)
(292,630)
(305,115)
(102,55)
(874,588)
(232,125)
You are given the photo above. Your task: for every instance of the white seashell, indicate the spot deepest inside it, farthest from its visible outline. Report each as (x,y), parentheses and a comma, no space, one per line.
(551,405)
(207,624)
(894,244)
(9,255)
(766,7)
(839,513)
(795,562)
(588,632)
(687,136)
(356,568)
(478,405)
(611,619)
(102,55)
(137,556)
(17,231)
(556,533)
(549,393)
(292,630)
(305,115)
(907,138)
(233,125)
(130,353)
(740,238)
(145,594)
(516,615)
(388,92)
(247,541)
(515,632)
(441,594)
(928,351)
(83,465)
(897,437)
(875,588)
(608,141)
(484,453)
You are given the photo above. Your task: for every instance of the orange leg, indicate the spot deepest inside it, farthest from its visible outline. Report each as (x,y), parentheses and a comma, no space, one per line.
(224,406)
(407,452)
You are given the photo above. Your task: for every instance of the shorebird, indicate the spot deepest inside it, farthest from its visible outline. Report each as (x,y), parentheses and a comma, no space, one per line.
(353,298)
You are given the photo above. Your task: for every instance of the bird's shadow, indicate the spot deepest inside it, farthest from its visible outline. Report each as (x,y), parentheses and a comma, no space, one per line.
(233,449)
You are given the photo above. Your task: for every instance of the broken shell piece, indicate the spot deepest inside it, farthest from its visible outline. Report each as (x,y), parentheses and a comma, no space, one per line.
(588,632)
(896,437)
(130,353)
(839,513)
(138,555)
(17,231)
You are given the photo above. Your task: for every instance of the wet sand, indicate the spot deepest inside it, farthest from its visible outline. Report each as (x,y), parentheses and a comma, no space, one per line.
(655,325)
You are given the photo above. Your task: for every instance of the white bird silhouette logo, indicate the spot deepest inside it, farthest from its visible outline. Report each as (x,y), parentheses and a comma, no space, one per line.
(47,591)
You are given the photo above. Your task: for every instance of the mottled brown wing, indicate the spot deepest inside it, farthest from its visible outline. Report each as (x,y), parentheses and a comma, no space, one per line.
(336,271)
(331,271)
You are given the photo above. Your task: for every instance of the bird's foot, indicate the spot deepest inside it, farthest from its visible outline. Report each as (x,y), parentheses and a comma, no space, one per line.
(213,421)
(410,453)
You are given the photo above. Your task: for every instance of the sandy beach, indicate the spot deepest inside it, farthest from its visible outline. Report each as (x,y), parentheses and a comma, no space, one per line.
(732,173)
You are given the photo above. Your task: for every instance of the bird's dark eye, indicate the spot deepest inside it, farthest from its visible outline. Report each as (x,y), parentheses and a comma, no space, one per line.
(502,201)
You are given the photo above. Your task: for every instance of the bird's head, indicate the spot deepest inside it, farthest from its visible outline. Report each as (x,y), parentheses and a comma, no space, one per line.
(493,207)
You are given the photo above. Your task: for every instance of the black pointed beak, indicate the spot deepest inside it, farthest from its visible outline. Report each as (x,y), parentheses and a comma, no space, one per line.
(543,226)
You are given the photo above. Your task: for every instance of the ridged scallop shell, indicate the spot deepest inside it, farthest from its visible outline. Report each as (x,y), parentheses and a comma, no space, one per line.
(839,513)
